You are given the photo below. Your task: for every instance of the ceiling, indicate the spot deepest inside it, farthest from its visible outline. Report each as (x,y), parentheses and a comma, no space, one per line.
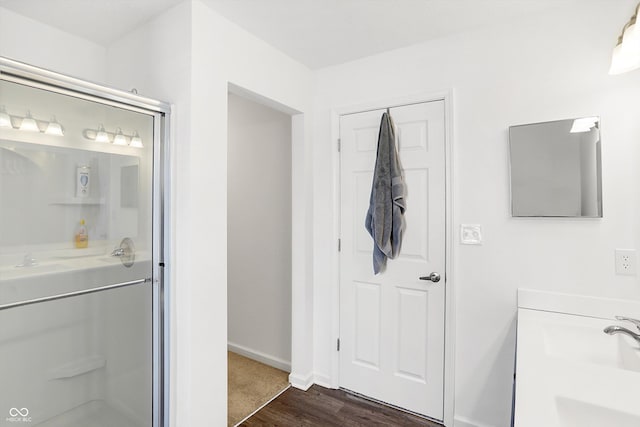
(317,33)
(101,21)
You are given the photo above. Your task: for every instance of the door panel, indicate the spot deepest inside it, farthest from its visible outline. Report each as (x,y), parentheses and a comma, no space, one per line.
(412,334)
(367,305)
(392,324)
(76,315)
(415,241)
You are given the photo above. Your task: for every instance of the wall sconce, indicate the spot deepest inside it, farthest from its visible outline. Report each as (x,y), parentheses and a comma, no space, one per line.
(626,54)
(136,141)
(101,135)
(116,138)
(54,128)
(29,124)
(119,139)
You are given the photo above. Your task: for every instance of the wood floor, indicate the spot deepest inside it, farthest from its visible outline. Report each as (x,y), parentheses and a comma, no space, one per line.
(325,407)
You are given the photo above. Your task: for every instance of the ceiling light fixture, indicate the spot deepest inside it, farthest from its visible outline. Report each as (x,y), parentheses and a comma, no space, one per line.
(136,141)
(5,119)
(29,124)
(119,138)
(54,128)
(101,135)
(626,54)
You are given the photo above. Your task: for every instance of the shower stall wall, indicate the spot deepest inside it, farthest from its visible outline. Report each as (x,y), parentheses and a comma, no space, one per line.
(82,253)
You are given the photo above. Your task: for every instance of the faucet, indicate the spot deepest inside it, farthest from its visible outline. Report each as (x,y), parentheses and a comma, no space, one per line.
(118,252)
(614,329)
(28,261)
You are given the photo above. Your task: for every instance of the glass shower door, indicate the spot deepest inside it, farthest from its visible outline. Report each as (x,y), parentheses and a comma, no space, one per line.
(77,314)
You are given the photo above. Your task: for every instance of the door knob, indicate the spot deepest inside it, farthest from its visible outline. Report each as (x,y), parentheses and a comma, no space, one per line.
(434,277)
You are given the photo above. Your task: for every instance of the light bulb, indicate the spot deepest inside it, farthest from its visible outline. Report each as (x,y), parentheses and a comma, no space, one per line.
(54,128)
(101,135)
(29,124)
(136,141)
(119,139)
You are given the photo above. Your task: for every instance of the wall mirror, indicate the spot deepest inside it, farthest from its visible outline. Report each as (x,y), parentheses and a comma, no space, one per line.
(556,169)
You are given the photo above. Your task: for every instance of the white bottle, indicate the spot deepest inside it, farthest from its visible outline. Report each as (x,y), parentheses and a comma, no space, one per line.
(83,181)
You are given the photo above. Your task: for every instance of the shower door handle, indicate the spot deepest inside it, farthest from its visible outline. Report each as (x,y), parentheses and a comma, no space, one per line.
(73,294)
(433,277)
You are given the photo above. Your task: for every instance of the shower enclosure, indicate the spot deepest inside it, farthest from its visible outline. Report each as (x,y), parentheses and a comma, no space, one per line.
(82,249)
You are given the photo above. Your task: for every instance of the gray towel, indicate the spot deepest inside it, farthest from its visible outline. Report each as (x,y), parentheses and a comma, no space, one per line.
(386,205)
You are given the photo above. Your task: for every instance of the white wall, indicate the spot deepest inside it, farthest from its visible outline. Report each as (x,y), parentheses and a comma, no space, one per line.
(26,40)
(549,67)
(188,56)
(156,60)
(259,232)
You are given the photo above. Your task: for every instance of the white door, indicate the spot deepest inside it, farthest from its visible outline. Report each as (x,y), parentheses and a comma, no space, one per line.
(392,324)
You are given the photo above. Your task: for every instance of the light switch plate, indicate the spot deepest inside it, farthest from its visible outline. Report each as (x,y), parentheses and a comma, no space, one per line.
(471,234)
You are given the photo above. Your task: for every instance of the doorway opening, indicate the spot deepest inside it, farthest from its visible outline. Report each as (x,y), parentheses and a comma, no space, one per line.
(259,265)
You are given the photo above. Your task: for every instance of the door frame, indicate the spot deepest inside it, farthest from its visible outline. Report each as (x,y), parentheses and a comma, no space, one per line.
(449,345)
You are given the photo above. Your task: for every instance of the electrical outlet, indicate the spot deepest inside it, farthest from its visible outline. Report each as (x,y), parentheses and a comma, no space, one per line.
(626,262)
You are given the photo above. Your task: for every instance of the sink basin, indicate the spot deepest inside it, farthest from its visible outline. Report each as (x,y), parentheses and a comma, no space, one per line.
(8,273)
(569,373)
(575,413)
(587,343)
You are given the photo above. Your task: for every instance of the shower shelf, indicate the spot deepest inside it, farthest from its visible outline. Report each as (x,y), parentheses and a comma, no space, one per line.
(77,201)
(77,367)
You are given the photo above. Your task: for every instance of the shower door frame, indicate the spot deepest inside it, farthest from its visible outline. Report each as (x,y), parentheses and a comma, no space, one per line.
(39,78)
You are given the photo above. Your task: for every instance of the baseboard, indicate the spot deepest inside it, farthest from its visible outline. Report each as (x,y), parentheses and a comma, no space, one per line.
(322,380)
(260,356)
(466,422)
(302,382)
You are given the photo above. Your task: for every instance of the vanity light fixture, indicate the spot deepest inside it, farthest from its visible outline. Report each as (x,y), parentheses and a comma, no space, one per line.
(101,135)
(5,120)
(54,128)
(116,138)
(136,141)
(626,54)
(119,138)
(29,124)
(584,124)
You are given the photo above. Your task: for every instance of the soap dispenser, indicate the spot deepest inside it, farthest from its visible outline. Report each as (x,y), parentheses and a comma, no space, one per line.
(82,237)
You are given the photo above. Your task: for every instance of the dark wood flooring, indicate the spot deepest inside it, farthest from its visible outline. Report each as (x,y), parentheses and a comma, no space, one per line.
(326,407)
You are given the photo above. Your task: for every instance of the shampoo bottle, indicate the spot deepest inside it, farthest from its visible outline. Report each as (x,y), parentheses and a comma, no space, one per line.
(82,237)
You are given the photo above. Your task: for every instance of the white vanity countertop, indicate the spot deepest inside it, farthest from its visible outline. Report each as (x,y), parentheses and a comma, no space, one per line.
(580,305)
(569,372)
